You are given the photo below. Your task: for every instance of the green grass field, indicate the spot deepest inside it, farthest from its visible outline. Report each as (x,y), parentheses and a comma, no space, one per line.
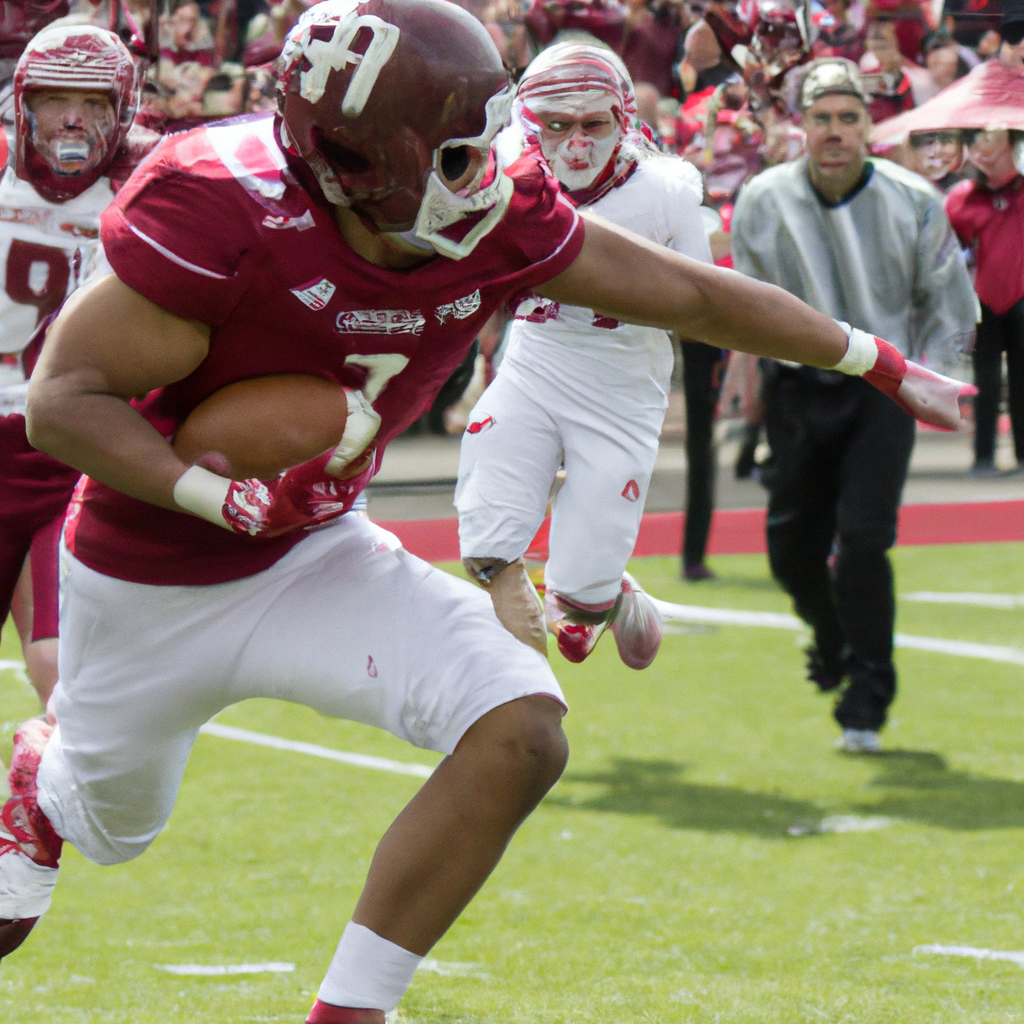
(660,881)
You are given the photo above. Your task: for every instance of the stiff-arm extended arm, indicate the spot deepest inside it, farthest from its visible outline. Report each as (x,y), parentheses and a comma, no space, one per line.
(620,275)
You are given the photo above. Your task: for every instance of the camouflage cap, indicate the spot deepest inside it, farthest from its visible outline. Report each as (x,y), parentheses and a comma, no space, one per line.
(832,75)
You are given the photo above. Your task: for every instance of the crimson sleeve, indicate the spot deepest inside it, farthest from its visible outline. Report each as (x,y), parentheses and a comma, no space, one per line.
(542,224)
(182,243)
(956,210)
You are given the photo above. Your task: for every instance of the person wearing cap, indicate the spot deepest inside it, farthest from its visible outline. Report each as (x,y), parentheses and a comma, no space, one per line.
(1011,32)
(867,241)
(987,213)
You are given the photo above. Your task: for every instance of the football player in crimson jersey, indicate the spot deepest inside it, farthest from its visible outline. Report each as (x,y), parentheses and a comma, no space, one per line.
(74,100)
(364,236)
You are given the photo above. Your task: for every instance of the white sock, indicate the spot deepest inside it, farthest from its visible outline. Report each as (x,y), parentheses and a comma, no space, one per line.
(367,971)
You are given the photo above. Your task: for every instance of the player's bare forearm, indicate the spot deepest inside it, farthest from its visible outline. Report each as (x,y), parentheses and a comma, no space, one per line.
(621,275)
(108,345)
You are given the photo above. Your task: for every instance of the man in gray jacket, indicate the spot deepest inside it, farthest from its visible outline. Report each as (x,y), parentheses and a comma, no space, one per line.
(865,241)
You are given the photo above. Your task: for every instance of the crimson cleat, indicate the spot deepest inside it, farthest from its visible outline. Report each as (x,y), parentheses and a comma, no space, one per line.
(636,625)
(576,628)
(325,1013)
(29,847)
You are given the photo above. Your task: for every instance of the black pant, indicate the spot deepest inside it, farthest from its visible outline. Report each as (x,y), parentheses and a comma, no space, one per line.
(703,368)
(998,333)
(840,454)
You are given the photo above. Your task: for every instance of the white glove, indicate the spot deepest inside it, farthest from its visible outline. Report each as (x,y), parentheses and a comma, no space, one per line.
(361,428)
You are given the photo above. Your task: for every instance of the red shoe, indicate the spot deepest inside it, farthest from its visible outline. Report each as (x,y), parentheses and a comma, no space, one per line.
(325,1013)
(636,626)
(576,627)
(29,847)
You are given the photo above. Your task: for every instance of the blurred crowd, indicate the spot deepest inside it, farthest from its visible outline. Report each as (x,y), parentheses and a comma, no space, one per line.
(716,80)
(718,84)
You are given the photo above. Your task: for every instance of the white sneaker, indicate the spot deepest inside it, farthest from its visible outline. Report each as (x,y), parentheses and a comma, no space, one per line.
(860,741)
(637,625)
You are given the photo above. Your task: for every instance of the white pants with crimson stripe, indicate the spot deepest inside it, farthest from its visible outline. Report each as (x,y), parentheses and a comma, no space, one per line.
(523,429)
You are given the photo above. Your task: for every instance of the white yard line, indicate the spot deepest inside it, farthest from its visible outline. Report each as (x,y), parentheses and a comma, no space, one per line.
(221,969)
(381,764)
(961,648)
(1007,601)
(774,620)
(977,954)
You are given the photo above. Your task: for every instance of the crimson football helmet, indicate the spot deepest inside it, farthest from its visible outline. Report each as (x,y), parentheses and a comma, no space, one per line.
(394,105)
(72,58)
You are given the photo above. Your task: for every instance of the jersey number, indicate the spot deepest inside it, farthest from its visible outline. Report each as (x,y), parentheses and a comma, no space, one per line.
(37,275)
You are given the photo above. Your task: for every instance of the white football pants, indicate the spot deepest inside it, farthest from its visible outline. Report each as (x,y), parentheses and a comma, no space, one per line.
(347,623)
(526,432)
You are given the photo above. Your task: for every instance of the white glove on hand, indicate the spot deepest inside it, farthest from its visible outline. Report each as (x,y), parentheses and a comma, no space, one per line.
(361,428)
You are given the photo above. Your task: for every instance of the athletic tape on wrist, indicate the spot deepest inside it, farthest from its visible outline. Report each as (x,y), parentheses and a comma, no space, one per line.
(861,354)
(368,970)
(203,494)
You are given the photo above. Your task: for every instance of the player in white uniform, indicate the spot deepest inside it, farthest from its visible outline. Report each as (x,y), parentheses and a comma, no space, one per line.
(577,389)
(74,100)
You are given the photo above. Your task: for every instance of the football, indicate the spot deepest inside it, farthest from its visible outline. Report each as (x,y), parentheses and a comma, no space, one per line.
(265,425)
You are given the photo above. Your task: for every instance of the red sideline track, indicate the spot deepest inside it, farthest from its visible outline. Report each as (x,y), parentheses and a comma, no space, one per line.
(741,532)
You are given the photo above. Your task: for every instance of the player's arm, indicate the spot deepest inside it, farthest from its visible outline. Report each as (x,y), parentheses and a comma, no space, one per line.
(108,345)
(620,275)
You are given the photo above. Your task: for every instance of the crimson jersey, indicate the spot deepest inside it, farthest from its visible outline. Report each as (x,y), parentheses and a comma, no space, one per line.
(219,225)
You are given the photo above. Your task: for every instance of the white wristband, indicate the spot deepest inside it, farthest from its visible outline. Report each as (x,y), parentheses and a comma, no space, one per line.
(203,494)
(361,426)
(861,354)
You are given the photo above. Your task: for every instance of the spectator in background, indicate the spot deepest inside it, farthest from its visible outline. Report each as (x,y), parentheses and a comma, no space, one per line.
(187,62)
(911,21)
(647,100)
(988,214)
(703,370)
(838,34)
(943,66)
(280,21)
(865,241)
(653,32)
(185,37)
(887,83)
(1011,34)
(989,44)
(936,156)
(705,64)
(605,20)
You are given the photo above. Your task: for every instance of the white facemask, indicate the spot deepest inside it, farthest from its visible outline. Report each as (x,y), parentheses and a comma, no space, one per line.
(565,158)
(596,153)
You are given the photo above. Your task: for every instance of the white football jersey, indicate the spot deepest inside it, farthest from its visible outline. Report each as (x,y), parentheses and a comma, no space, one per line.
(46,251)
(660,201)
